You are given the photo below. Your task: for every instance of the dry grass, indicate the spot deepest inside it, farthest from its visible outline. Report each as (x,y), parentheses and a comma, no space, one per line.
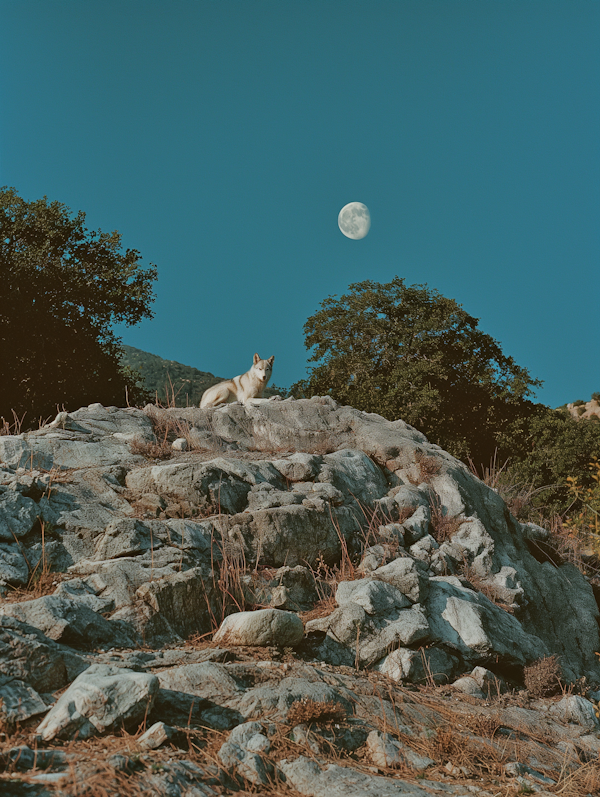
(168,428)
(313,711)
(516,495)
(161,449)
(429,466)
(14,428)
(444,526)
(544,677)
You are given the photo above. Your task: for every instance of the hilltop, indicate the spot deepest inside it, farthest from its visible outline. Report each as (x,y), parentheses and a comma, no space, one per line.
(172,382)
(291,598)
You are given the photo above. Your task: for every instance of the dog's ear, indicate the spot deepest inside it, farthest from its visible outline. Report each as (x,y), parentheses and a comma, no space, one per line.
(256,358)
(270,360)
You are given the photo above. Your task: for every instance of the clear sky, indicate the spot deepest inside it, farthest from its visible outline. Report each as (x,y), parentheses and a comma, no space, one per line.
(222,137)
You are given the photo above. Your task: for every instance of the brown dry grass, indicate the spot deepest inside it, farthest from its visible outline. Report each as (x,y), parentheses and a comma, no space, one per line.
(543,677)
(168,428)
(313,711)
(429,466)
(444,526)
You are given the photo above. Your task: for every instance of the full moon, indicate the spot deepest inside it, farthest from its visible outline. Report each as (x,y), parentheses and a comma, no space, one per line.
(354,220)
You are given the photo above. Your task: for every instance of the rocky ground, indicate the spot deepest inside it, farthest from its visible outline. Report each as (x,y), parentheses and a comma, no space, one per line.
(293,597)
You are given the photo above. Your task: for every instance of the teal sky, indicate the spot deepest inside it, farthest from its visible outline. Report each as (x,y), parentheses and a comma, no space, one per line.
(222,137)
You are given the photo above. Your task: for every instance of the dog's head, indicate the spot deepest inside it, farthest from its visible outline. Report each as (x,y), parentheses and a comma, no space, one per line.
(263,368)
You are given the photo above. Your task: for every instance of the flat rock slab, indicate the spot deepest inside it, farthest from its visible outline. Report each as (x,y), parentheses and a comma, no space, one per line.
(263,627)
(308,778)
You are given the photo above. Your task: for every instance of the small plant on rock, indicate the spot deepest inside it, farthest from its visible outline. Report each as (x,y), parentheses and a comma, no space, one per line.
(428,466)
(444,526)
(543,678)
(308,710)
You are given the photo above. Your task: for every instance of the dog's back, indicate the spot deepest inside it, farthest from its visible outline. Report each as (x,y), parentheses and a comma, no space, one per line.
(241,388)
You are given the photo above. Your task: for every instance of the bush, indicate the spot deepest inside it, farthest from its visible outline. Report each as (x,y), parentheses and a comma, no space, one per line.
(543,677)
(543,450)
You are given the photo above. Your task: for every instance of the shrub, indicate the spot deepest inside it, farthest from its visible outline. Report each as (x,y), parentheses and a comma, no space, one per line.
(308,710)
(543,677)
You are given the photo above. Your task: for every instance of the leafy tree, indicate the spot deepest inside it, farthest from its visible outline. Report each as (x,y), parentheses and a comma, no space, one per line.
(63,287)
(545,450)
(408,352)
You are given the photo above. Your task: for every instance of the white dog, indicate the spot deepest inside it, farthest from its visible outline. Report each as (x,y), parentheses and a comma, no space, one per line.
(242,388)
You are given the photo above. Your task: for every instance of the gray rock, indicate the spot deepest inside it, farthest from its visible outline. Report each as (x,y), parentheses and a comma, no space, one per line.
(424,548)
(401,628)
(300,586)
(298,467)
(267,499)
(307,777)
(78,590)
(419,666)
(578,710)
(13,567)
(28,655)
(469,686)
(275,699)
(155,736)
(354,475)
(478,629)
(373,557)
(490,684)
(69,621)
(417,525)
(99,700)
(385,751)
(376,597)
(18,515)
(292,535)
(183,600)
(242,752)
(408,576)
(506,587)
(19,701)
(261,627)
(208,680)
(23,758)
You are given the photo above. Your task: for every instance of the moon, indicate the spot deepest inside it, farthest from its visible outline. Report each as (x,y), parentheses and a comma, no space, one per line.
(354,220)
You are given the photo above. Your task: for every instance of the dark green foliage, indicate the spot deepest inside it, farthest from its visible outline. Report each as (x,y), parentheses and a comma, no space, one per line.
(167,379)
(546,448)
(408,352)
(173,383)
(63,287)
(596,396)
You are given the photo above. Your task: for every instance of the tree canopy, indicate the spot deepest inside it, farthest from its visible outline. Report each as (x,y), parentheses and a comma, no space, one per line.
(64,287)
(408,352)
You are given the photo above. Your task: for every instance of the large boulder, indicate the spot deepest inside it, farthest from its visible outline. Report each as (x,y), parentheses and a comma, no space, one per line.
(261,627)
(101,699)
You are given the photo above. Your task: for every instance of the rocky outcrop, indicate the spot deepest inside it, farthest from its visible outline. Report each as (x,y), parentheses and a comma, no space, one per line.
(585,410)
(343,539)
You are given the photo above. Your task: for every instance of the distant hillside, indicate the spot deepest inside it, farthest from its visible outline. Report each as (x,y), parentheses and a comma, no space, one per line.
(168,378)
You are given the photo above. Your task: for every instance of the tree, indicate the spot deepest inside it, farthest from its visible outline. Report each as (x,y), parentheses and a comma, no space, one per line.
(63,287)
(408,352)
(547,449)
